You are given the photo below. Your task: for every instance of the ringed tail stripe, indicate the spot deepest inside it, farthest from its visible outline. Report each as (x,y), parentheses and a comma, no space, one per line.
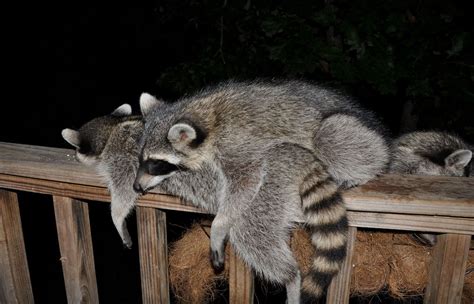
(332,255)
(314,187)
(324,204)
(325,216)
(329,240)
(340,225)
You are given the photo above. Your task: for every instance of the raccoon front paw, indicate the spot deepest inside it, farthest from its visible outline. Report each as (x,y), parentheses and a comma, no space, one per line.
(217,259)
(128,244)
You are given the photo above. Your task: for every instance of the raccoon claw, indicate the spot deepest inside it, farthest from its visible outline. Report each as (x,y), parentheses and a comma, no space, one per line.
(217,259)
(128,245)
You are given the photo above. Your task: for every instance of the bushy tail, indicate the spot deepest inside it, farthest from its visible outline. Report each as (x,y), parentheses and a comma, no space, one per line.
(325,216)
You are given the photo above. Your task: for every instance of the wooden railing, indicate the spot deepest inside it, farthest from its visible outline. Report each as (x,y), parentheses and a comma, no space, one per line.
(435,204)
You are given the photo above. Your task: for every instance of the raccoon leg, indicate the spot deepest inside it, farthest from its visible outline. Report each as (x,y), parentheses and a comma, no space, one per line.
(121,206)
(264,248)
(219,234)
(261,226)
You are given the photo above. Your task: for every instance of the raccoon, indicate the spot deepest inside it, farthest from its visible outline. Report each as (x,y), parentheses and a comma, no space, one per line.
(110,145)
(236,128)
(431,153)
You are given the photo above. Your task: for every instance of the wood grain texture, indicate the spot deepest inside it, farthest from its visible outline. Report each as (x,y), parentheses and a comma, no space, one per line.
(424,195)
(241,281)
(409,194)
(161,201)
(410,222)
(339,290)
(153,251)
(95,193)
(75,244)
(45,163)
(447,269)
(15,284)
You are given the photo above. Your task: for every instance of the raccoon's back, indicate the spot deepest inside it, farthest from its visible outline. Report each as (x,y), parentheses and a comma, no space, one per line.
(430,144)
(268,112)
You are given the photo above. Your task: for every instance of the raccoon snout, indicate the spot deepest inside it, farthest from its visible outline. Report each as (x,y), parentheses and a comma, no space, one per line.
(138,184)
(138,188)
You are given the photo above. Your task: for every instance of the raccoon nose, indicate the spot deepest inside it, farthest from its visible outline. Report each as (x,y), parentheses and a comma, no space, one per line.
(138,188)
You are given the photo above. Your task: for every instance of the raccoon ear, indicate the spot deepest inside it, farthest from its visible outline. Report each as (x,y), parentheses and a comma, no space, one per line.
(123,110)
(182,134)
(72,137)
(147,103)
(458,159)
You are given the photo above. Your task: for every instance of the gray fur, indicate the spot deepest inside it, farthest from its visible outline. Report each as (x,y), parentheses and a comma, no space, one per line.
(260,139)
(431,153)
(109,144)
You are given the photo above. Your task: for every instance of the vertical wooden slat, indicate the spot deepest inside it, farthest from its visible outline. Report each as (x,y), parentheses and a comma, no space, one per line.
(446,278)
(15,284)
(241,282)
(153,247)
(75,244)
(339,290)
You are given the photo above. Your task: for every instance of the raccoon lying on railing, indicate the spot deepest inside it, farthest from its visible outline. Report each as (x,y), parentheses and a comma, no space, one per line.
(249,153)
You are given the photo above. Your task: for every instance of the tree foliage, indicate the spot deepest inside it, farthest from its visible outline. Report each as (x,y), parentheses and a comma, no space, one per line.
(394,50)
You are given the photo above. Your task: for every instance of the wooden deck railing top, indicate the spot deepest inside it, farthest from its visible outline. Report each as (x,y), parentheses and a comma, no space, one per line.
(427,195)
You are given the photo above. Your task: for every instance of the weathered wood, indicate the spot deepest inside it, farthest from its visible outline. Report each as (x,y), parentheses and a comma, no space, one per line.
(339,290)
(95,193)
(15,284)
(410,222)
(241,282)
(75,244)
(447,269)
(153,248)
(409,194)
(45,163)
(424,195)
(162,201)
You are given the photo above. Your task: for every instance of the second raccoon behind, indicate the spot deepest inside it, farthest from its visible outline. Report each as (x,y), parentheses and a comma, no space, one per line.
(431,153)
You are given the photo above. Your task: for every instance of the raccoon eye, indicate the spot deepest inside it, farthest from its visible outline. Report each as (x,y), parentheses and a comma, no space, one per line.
(159,167)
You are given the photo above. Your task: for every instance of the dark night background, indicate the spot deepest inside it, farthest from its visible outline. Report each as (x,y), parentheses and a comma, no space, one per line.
(412,62)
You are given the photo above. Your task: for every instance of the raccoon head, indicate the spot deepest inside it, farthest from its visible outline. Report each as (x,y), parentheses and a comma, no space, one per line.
(170,144)
(91,139)
(457,163)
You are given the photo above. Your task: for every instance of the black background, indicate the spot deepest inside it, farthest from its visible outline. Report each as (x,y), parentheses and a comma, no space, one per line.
(69,62)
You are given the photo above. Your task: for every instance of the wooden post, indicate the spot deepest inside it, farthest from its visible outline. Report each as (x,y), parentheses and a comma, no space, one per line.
(15,284)
(241,283)
(448,265)
(75,244)
(153,251)
(339,290)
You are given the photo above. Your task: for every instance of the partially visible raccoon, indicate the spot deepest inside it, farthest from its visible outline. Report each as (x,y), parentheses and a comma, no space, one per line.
(110,144)
(431,153)
(237,128)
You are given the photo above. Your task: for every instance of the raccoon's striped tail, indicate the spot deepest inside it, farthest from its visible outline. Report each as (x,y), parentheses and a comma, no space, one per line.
(325,216)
